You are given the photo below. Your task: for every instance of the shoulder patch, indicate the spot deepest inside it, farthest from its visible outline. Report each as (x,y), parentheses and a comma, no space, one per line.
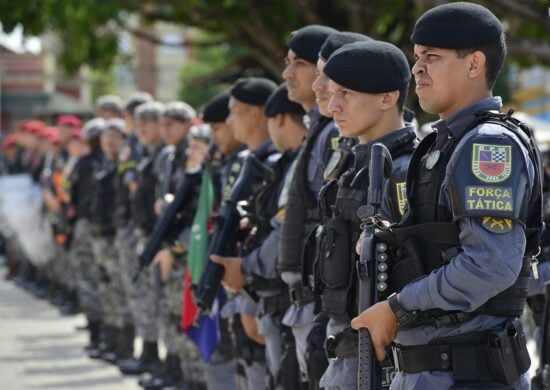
(497,225)
(401,189)
(491,163)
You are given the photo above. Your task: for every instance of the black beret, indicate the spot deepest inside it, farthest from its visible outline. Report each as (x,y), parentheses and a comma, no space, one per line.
(217,109)
(457,26)
(278,103)
(252,90)
(369,66)
(307,41)
(337,40)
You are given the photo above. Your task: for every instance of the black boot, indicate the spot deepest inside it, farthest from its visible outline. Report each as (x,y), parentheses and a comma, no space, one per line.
(171,376)
(95,332)
(125,343)
(108,347)
(147,362)
(70,304)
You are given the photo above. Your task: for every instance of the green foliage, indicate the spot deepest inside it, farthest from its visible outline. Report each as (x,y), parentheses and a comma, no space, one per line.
(203,62)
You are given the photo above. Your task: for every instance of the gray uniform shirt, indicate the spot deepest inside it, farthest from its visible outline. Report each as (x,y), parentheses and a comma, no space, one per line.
(488,264)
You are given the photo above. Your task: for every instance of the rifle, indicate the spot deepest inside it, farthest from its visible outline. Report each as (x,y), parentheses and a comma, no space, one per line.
(224,240)
(372,266)
(183,195)
(541,381)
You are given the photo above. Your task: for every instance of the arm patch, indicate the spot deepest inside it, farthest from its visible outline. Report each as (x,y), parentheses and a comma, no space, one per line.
(490,179)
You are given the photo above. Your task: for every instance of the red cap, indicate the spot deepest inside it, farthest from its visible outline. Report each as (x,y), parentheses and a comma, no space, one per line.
(196,121)
(9,141)
(69,120)
(32,126)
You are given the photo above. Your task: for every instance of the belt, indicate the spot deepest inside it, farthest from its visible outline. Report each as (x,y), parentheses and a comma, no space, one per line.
(300,295)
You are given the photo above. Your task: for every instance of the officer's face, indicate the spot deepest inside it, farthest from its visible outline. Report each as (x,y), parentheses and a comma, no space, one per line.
(442,80)
(172,131)
(110,143)
(299,75)
(223,137)
(320,88)
(195,152)
(240,119)
(356,114)
(147,131)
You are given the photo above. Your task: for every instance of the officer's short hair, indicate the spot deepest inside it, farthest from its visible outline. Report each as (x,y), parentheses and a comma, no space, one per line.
(135,100)
(118,125)
(93,129)
(495,54)
(111,103)
(200,132)
(179,111)
(149,111)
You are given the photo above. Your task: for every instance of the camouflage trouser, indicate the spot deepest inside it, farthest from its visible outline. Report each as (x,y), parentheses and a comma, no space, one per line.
(116,312)
(176,342)
(82,258)
(140,294)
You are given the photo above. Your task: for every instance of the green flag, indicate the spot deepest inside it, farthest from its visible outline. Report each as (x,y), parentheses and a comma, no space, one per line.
(198,245)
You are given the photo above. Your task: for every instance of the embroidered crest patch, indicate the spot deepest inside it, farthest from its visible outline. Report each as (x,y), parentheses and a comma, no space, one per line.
(401,196)
(497,225)
(491,163)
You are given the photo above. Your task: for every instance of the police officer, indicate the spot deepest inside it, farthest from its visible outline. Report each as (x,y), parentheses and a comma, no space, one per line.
(368,87)
(128,157)
(81,189)
(258,269)
(176,132)
(145,298)
(118,328)
(453,316)
(220,371)
(249,124)
(301,214)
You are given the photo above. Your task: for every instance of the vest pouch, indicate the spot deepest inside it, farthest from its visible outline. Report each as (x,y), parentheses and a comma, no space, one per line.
(335,254)
(407,265)
(310,275)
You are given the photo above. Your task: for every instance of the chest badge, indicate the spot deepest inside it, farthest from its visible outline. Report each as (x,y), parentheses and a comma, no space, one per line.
(432,159)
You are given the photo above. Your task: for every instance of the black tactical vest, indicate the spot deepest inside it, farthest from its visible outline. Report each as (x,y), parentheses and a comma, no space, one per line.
(335,277)
(301,212)
(143,200)
(427,245)
(103,203)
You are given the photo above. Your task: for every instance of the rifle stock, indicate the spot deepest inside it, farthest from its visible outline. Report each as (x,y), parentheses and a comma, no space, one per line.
(368,369)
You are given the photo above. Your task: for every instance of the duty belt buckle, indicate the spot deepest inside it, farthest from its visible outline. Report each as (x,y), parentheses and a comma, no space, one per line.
(330,347)
(397,360)
(294,296)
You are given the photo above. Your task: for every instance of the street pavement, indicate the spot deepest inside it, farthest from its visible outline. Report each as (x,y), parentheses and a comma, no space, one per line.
(40,349)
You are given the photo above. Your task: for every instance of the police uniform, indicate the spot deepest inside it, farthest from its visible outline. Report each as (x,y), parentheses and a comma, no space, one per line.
(378,67)
(116,312)
(477,177)
(82,256)
(220,371)
(302,215)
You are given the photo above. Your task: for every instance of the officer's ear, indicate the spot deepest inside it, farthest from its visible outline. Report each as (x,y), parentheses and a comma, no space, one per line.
(281,118)
(389,100)
(476,64)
